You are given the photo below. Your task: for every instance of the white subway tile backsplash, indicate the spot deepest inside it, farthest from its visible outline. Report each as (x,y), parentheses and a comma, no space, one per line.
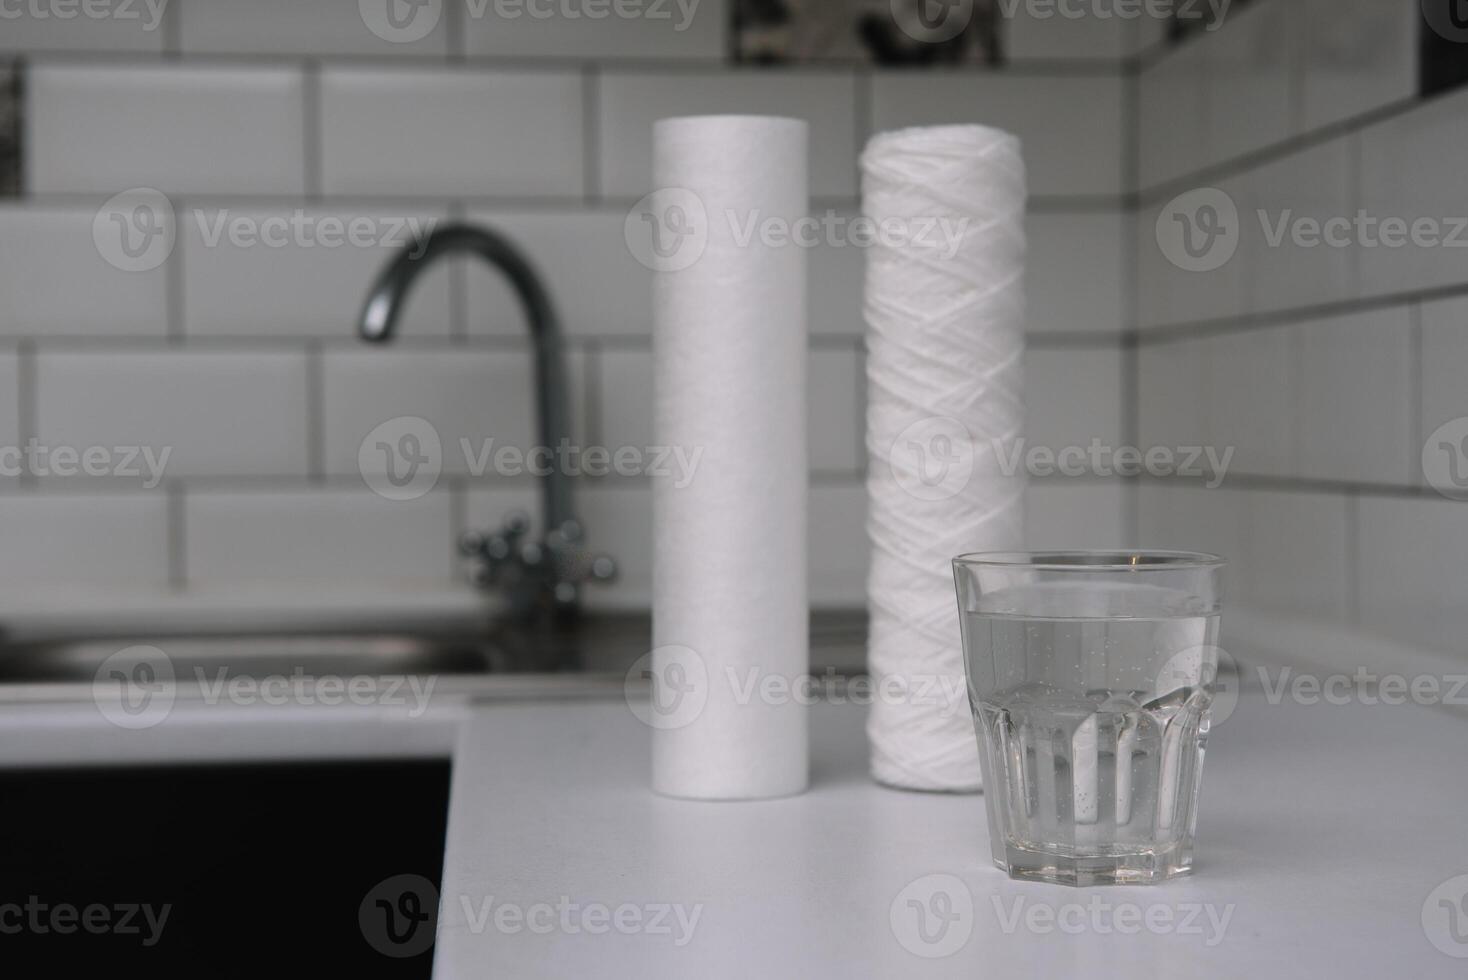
(1407,165)
(618,519)
(319,535)
(1169,293)
(476,395)
(1414,561)
(33,27)
(836,293)
(1290,211)
(1173,116)
(1359,55)
(840,551)
(220,413)
(1070,127)
(1251,78)
(176,128)
(1074,272)
(1355,404)
(674,30)
(630,102)
(1041,32)
(1072,396)
(837,422)
(326,27)
(626,383)
(1295,554)
(1444,363)
(1189,517)
(1065,515)
(300,271)
(82,539)
(451,131)
(1171,394)
(54,280)
(582,256)
(1249,393)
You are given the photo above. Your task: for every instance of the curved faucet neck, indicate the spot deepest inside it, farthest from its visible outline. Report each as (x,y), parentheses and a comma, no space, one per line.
(384,307)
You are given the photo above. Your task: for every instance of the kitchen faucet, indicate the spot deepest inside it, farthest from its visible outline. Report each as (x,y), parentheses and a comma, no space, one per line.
(533,574)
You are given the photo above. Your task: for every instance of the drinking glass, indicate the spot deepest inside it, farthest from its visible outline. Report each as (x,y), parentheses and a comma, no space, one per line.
(1090,676)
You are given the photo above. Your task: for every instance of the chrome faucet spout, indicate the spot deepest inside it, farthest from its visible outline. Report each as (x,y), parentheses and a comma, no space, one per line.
(528,570)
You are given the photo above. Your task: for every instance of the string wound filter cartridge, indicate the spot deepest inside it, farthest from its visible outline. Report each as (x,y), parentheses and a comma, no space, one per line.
(944,310)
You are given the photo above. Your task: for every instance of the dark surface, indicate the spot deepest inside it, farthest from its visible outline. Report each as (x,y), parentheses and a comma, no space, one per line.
(598,643)
(264,867)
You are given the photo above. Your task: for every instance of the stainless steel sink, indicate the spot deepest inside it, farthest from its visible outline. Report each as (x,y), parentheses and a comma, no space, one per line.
(602,644)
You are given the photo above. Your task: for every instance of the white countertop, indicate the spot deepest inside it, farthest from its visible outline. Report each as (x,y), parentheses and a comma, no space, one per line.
(1324,828)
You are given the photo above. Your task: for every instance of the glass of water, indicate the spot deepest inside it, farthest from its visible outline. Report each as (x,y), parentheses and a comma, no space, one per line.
(1090,675)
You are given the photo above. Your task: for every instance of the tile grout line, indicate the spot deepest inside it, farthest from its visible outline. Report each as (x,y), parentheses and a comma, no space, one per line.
(175,330)
(1416,391)
(591,135)
(177,537)
(28,399)
(591,380)
(1242,323)
(315,414)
